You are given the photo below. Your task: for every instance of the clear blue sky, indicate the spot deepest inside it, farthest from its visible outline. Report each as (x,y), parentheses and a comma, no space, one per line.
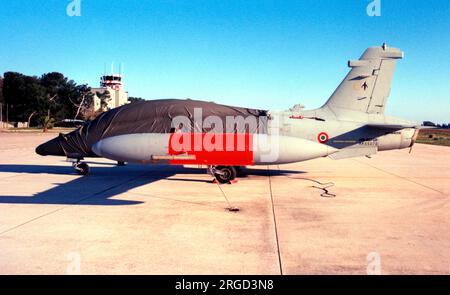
(255,53)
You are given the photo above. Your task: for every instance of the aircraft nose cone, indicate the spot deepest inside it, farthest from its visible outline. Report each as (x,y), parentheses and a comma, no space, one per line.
(50,148)
(97,148)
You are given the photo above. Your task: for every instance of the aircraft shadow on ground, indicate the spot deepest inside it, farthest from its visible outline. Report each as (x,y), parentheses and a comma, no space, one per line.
(105,182)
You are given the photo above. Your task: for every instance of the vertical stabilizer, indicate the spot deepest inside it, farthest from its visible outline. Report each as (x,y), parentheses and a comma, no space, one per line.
(367,86)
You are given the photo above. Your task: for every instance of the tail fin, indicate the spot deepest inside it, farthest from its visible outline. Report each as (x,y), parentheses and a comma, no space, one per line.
(368,84)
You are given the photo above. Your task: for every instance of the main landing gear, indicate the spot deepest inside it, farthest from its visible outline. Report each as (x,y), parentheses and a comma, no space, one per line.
(223,174)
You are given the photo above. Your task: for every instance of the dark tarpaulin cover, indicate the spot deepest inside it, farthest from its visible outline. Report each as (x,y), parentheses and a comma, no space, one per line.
(153,116)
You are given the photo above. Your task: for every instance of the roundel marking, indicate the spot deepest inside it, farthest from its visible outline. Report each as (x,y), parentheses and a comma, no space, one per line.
(322,137)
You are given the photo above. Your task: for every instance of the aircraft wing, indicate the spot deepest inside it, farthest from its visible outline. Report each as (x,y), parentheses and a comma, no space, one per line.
(392,126)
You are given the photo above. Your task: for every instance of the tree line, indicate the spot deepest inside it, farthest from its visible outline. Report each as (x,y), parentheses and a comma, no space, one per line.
(52,97)
(440,126)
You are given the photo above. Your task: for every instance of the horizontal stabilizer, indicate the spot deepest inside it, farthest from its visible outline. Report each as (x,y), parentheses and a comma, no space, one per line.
(354,151)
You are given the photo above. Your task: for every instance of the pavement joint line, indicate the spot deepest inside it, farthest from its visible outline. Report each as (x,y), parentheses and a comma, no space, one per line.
(71,204)
(401,177)
(275,220)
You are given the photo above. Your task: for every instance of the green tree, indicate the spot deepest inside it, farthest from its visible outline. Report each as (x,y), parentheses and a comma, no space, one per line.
(132,99)
(13,89)
(57,88)
(23,94)
(48,99)
(83,100)
(47,121)
(66,99)
(2,100)
(104,97)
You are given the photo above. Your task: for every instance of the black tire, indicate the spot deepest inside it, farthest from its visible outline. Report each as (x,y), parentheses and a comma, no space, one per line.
(227,174)
(83,169)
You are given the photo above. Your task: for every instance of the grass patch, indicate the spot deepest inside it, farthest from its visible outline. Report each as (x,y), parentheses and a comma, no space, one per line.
(434,136)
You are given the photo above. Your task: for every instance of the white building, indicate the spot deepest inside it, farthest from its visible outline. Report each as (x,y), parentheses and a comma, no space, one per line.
(114,85)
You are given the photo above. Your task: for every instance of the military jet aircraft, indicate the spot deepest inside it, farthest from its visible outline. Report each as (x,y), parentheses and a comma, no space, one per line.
(222,138)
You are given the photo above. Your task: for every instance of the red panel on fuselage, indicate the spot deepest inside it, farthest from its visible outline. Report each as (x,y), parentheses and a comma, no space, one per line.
(228,149)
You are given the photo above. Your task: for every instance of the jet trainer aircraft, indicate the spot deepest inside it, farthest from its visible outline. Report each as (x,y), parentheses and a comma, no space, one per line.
(182,132)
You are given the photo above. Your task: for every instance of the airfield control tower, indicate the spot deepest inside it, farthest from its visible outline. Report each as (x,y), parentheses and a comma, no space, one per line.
(114,85)
(112,81)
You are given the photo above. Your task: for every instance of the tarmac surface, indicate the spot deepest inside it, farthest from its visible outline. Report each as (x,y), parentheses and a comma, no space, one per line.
(390,215)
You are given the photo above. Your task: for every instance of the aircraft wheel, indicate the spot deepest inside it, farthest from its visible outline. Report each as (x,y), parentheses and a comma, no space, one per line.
(82,168)
(225,174)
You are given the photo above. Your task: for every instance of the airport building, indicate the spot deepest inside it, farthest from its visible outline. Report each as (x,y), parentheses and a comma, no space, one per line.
(114,85)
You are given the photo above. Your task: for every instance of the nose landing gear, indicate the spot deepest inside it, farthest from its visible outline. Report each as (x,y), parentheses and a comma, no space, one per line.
(80,167)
